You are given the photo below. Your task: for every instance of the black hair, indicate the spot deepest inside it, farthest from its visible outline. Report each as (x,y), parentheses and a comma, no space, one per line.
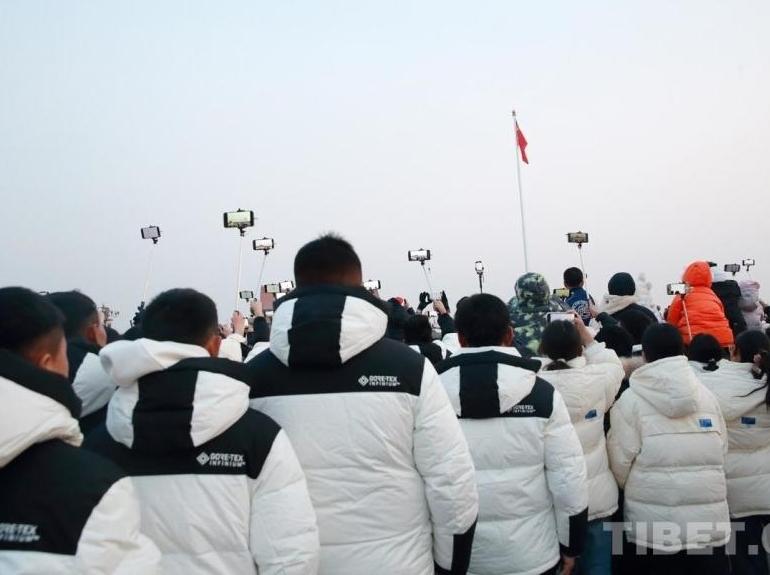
(705,348)
(750,344)
(325,261)
(573,277)
(180,315)
(417,330)
(78,309)
(561,343)
(661,340)
(25,317)
(483,320)
(618,339)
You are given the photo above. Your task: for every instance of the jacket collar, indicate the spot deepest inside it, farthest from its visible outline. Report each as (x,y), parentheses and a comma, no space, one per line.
(171,396)
(51,385)
(36,406)
(325,326)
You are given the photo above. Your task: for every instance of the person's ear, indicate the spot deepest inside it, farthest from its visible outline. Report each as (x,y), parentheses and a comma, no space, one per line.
(508,337)
(463,341)
(54,362)
(213,344)
(90,335)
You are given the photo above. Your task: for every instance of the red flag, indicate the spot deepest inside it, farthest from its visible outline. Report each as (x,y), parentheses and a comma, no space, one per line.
(521,141)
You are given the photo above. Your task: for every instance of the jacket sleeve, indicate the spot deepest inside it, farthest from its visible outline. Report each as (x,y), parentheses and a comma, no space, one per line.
(444,462)
(111,541)
(284,536)
(675,312)
(260,331)
(565,470)
(607,362)
(623,441)
(231,347)
(447,324)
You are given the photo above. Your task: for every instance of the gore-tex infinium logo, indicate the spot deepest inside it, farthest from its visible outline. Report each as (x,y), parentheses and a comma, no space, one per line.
(235,460)
(379,381)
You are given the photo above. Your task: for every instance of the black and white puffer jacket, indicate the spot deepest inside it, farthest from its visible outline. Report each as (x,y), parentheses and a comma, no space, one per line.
(91,383)
(220,487)
(530,470)
(62,509)
(387,466)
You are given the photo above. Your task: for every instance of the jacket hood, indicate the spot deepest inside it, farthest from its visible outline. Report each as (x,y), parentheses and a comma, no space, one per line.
(698,274)
(515,378)
(614,303)
(532,291)
(326,326)
(36,406)
(749,294)
(669,384)
(171,396)
(734,385)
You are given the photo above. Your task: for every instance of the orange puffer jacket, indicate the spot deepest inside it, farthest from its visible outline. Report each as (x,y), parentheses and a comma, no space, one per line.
(704,309)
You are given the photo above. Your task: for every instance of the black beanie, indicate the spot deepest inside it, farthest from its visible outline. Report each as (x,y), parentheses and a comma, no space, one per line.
(622,284)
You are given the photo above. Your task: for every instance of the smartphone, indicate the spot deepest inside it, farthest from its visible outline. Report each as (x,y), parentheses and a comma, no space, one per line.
(561,293)
(263,244)
(239,219)
(286,286)
(676,289)
(560,316)
(372,285)
(577,238)
(749,263)
(732,268)
(246,294)
(272,288)
(419,255)
(150,233)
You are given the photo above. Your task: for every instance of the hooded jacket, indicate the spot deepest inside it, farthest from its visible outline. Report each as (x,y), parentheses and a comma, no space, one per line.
(750,306)
(89,380)
(387,466)
(633,317)
(742,400)
(701,307)
(529,464)
(729,293)
(220,487)
(529,310)
(589,388)
(62,509)
(667,447)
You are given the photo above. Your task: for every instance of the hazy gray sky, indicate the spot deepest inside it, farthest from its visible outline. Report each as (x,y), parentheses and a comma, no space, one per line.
(648,124)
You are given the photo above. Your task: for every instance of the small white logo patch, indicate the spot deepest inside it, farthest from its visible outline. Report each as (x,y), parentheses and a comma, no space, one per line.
(379,381)
(522,409)
(234,460)
(18,533)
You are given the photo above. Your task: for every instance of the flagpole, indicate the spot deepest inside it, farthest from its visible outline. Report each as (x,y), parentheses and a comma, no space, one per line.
(521,194)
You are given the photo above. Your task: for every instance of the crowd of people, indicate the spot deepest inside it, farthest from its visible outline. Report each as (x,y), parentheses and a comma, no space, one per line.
(349,435)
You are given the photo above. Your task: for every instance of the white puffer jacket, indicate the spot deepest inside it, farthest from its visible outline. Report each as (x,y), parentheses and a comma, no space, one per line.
(220,487)
(589,388)
(742,400)
(667,447)
(386,462)
(63,510)
(529,464)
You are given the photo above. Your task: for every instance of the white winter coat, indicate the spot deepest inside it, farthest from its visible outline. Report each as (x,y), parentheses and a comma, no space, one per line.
(742,400)
(387,466)
(529,464)
(68,511)
(220,487)
(589,388)
(667,447)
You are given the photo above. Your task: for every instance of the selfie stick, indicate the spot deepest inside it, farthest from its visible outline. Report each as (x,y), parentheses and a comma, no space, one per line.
(262,269)
(686,317)
(149,270)
(426,271)
(242,231)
